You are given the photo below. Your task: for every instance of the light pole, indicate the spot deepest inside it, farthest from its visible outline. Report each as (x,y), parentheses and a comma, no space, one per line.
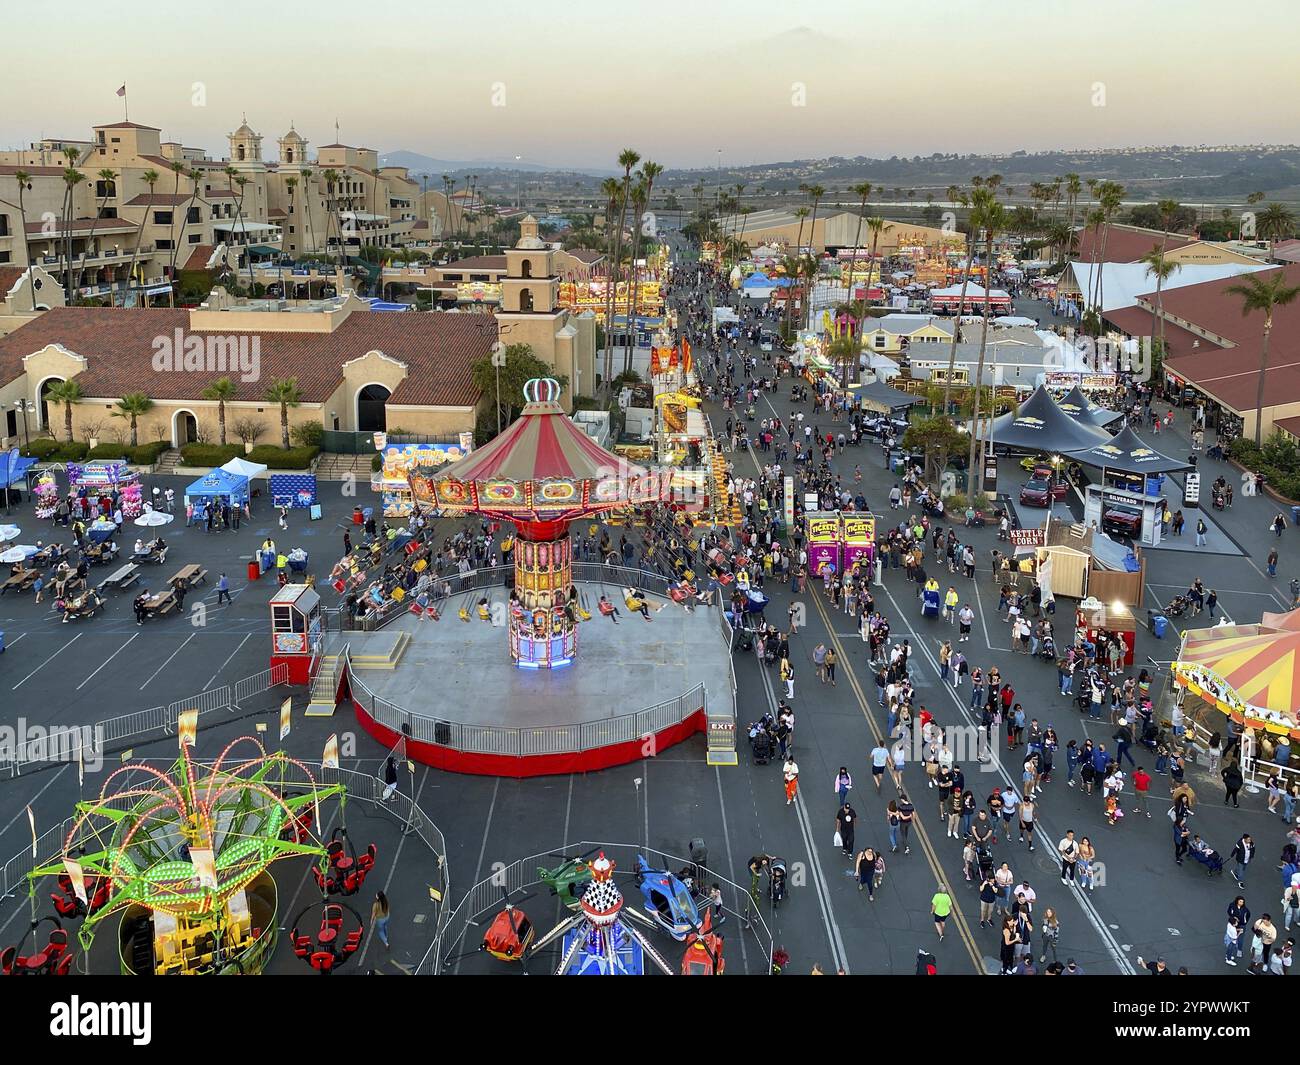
(498,360)
(24,406)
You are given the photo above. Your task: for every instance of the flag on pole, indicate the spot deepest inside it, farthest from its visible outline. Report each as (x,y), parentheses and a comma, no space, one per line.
(122,90)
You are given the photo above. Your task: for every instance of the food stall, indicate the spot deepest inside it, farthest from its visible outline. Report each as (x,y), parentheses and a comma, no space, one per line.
(101,477)
(1094,617)
(400,460)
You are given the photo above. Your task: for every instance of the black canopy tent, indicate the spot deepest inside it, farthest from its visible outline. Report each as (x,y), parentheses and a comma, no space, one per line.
(1041,426)
(1127,453)
(1079,407)
(879,396)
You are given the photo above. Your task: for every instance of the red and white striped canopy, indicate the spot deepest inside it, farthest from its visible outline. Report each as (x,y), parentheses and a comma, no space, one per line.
(543,466)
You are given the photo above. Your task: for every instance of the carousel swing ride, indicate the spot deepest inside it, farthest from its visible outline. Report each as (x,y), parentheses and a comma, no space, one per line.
(184,857)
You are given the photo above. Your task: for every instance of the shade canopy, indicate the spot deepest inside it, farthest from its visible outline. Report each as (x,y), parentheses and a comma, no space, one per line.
(220,483)
(1079,407)
(1128,453)
(1041,426)
(243,468)
(879,396)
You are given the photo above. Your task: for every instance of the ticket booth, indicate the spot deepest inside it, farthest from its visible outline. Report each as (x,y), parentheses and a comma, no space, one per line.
(295,630)
(859,539)
(822,541)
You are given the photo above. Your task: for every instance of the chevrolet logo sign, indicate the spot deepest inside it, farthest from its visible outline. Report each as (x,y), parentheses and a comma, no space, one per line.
(1029,421)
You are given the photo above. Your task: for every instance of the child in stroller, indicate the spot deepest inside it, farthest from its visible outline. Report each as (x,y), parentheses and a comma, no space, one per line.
(762,739)
(1206,855)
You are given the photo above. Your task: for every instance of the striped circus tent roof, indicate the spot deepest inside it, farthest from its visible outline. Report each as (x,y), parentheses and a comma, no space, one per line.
(544,466)
(1260,669)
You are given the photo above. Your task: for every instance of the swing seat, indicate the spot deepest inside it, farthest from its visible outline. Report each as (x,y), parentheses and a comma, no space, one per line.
(464,613)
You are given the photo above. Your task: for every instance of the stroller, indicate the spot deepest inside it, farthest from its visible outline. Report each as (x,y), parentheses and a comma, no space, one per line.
(1208,857)
(762,741)
(1178,606)
(776,882)
(984,859)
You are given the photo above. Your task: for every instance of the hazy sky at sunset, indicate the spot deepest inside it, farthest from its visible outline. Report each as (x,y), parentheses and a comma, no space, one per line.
(675,79)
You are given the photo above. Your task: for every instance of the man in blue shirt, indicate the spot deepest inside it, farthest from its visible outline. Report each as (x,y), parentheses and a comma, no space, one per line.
(223,590)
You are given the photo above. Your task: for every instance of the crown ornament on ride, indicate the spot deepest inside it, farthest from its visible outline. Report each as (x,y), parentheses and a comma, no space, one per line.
(541,392)
(602,899)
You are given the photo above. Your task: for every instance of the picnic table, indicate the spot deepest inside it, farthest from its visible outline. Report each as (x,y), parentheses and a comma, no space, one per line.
(162,603)
(83,607)
(20,581)
(189,576)
(121,578)
(100,553)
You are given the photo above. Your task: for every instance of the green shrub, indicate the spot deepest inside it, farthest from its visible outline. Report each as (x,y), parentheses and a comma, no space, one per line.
(209,454)
(107,451)
(308,434)
(75,451)
(147,454)
(41,448)
(296,458)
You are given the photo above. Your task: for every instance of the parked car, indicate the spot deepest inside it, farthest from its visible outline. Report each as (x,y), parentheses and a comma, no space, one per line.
(1036,493)
(767,341)
(1122,521)
(1056,479)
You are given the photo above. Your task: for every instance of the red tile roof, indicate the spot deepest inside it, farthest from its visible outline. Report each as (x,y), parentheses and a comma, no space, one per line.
(83,225)
(9,276)
(586,255)
(1290,425)
(199,256)
(33,171)
(1232,376)
(437,347)
(485,263)
(1136,322)
(158,199)
(1126,244)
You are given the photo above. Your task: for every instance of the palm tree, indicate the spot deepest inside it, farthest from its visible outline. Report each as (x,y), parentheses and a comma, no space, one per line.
(1110,195)
(649,171)
(195,177)
(639,200)
(331,176)
(309,241)
(107,177)
(861,190)
(131,406)
(876,226)
(242,183)
(1263,292)
(65,392)
(150,179)
(959,197)
(627,159)
(222,389)
(1274,223)
(23,178)
(285,392)
(71,179)
(1072,189)
(1160,267)
(815,193)
(987,214)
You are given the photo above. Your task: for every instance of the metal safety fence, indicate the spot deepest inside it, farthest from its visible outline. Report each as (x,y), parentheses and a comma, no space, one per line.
(44,745)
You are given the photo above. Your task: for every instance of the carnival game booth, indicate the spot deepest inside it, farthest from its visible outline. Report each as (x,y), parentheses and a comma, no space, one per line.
(948,300)
(1249,672)
(1093,618)
(220,484)
(541,474)
(401,461)
(97,480)
(1132,483)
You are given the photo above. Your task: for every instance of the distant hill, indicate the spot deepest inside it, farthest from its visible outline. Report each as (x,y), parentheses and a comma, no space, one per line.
(425,164)
(1145,172)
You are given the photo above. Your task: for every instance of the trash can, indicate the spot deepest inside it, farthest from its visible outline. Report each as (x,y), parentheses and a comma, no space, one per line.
(1295,515)
(1159,626)
(254,570)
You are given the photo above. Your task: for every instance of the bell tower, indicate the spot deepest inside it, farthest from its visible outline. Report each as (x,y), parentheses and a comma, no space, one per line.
(245,144)
(530,285)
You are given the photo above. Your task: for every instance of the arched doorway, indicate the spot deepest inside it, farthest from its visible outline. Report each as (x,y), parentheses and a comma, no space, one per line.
(185,428)
(42,398)
(372,416)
